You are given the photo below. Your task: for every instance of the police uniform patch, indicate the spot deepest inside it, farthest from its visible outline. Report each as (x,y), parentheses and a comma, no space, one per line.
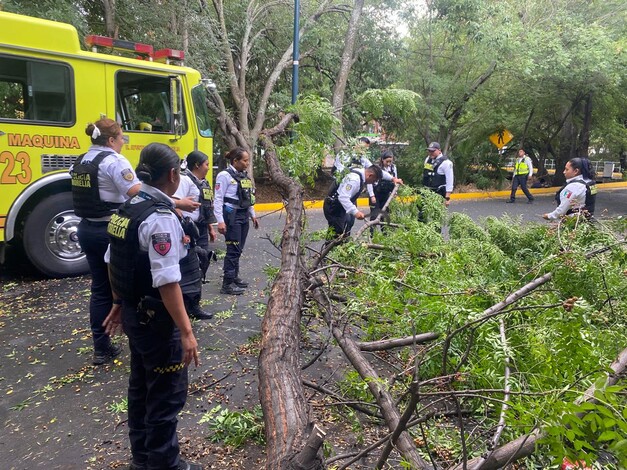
(348,187)
(217,186)
(161,242)
(127,174)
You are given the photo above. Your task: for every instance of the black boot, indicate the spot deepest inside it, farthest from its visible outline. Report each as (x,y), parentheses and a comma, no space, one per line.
(194,311)
(239,282)
(230,287)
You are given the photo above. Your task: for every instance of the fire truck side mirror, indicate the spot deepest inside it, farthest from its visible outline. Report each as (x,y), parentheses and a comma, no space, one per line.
(175,108)
(209,84)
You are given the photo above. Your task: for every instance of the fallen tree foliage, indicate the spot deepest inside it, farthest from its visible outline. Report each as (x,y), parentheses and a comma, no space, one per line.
(496,333)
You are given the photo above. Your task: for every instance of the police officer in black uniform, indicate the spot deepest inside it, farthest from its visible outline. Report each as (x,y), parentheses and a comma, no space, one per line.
(102,179)
(234,207)
(146,244)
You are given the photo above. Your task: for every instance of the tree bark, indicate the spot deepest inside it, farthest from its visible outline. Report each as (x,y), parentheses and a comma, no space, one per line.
(389,411)
(567,149)
(384,345)
(346,62)
(583,145)
(109,18)
(292,440)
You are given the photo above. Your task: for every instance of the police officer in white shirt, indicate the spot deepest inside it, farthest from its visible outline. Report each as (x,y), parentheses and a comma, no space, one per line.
(102,179)
(191,267)
(233,206)
(147,244)
(579,193)
(438,172)
(339,206)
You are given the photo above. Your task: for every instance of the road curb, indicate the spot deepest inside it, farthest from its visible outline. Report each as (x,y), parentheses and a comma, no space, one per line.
(363,202)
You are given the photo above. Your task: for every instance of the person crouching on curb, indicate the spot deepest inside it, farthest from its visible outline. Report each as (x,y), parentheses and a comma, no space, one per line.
(233,207)
(339,206)
(146,244)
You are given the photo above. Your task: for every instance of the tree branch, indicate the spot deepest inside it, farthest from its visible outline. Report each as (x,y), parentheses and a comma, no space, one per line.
(525,445)
(384,345)
(367,372)
(495,310)
(368,224)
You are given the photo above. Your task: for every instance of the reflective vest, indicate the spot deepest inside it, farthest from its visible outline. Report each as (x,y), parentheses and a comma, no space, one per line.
(430,177)
(206,197)
(86,190)
(521,167)
(129,268)
(591,195)
(245,190)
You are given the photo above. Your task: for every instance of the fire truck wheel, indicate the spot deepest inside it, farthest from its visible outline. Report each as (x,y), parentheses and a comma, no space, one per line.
(51,240)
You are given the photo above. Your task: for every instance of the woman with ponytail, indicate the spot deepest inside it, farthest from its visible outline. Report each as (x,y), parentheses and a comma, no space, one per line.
(579,192)
(198,226)
(102,179)
(234,209)
(146,244)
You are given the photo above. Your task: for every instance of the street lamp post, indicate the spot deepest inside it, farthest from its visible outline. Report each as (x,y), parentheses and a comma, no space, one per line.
(296,52)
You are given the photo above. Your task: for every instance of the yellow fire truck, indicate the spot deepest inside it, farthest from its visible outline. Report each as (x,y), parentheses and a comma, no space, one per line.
(50,90)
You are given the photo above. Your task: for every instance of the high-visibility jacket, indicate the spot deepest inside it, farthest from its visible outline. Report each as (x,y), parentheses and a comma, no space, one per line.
(522,166)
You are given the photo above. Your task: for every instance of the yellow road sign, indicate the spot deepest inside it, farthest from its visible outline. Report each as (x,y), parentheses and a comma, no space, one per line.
(501,138)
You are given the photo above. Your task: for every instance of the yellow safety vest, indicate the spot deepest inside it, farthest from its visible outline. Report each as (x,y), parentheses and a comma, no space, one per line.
(521,168)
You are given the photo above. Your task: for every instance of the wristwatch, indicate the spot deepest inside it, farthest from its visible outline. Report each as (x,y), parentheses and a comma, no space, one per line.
(448,198)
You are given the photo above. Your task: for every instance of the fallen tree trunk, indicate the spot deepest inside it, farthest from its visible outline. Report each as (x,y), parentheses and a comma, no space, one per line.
(292,440)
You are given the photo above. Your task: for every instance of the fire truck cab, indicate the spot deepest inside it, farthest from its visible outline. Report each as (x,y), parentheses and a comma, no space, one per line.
(50,89)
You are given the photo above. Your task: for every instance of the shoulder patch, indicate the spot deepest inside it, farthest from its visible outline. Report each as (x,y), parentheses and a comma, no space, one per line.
(348,187)
(127,174)
(161,243)
(217,186)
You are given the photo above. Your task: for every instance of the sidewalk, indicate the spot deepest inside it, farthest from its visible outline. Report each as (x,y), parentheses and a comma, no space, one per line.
(363,202)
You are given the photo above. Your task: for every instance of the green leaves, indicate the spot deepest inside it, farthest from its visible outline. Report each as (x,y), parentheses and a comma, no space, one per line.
(560,338)
(580,431)
(302,156)
(233,428)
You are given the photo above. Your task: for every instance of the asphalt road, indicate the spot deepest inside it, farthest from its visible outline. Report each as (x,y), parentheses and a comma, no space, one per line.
(58,411)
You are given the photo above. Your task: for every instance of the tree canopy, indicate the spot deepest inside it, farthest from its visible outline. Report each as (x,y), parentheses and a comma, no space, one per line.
(553,73)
